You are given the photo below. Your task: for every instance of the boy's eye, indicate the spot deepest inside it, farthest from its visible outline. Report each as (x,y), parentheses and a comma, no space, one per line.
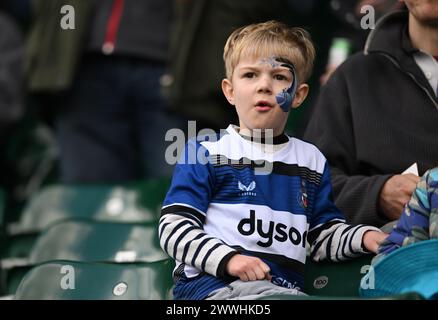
(249,75)
(281,77)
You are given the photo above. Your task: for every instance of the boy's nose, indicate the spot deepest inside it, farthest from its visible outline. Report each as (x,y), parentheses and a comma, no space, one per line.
(264,85)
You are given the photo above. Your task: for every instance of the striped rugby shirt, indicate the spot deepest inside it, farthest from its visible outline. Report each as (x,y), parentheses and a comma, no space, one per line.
(231,195)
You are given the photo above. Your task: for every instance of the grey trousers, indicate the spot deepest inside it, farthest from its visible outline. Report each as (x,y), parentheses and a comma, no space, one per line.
(250,290)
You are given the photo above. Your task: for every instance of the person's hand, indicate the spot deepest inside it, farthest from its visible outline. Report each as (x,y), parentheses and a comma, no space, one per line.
(396,192)
(248,268)
(372,239)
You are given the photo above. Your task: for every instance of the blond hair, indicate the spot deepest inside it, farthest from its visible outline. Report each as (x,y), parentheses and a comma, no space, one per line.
(271,38)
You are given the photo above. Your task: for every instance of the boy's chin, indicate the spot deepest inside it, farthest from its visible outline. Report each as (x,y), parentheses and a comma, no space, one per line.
(270,129)
(265,131)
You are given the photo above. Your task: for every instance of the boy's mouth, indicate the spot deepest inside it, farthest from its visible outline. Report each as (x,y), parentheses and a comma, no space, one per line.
(263,105)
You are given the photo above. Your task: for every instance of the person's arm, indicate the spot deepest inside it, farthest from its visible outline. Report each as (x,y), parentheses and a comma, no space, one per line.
(330,237)
(358,196)
(183,215)
(331,129)
(354,193)
(414,223)
(337,241)
(183,238)
(395,193)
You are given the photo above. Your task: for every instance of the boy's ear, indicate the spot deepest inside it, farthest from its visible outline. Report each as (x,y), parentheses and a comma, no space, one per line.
(227,89)
(300,95)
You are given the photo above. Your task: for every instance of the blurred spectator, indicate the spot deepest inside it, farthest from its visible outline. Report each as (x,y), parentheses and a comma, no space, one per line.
(19,10)
(349,37)
(99,84)
(11,84)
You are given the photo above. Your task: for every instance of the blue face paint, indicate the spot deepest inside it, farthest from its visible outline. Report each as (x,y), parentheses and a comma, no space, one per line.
(286,97)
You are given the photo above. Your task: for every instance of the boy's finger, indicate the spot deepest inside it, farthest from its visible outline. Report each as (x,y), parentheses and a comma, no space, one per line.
(266,271)
(261,274)
(244,277)
(265,267)
(252,275)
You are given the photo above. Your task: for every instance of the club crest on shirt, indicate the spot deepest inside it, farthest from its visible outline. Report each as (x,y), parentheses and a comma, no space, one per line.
(247,190)
(302,195)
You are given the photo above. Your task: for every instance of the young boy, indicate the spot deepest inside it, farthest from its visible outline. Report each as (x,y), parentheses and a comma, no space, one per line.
(236,229)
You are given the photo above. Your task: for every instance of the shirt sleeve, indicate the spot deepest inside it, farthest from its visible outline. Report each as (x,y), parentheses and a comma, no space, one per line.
(329,236)
(183,215)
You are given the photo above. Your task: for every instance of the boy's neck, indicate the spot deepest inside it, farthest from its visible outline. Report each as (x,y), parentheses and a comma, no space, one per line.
(262,138)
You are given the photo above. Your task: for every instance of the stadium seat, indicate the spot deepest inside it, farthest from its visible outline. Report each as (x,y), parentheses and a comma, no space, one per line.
(133,202)
(89,241)
(137,202)
(19,245)
(2,221)
(69,280)
(83,240)
(11,279)
(335,279)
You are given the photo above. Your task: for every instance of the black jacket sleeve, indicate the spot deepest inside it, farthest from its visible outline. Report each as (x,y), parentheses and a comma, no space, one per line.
(332,129)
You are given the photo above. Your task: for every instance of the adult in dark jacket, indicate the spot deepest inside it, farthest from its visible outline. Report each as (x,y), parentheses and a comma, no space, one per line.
(378,114)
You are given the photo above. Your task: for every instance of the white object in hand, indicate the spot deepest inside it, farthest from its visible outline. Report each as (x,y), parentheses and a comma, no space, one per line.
(412,169)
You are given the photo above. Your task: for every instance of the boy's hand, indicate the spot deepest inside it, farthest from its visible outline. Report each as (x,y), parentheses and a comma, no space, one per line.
(248,268)
(372,239)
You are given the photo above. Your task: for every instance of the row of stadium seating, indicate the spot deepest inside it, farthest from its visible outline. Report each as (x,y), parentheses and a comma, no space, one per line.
(93,229)
(101,242)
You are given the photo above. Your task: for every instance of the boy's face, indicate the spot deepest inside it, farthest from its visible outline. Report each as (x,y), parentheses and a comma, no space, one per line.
(252,90)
